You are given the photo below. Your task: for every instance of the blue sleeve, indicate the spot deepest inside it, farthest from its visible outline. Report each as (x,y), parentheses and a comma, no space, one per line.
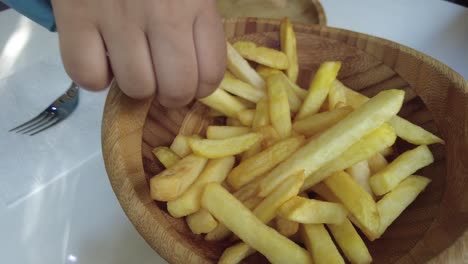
(40,11)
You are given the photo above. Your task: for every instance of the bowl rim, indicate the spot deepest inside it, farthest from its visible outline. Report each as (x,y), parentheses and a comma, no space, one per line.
(120,109)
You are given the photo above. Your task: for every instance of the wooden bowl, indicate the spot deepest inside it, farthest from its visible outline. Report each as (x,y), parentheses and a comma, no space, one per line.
(436,99)
(302,11)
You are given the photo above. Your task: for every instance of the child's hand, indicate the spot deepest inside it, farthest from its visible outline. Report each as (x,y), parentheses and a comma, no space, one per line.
(173,47)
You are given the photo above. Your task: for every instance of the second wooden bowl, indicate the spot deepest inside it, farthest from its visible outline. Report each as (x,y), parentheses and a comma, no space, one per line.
(436,99)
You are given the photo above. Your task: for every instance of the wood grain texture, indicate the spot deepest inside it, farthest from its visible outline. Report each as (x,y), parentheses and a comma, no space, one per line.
(437,99)
(303,11)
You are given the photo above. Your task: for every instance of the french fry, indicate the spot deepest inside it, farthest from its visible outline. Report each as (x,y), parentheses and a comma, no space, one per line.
(223,102)
(235,254)
(172,182)
(286,227)
(360,172)
(336,96)
(180,146)
(396,201)
(412,133)
(215,170)
(266,210)
(166,156)
(242,69)
(259,164)
(229,211)
(221,232)
(399,169)
(320,244)
(201,222)
(387,151)
(319,122)
(288,46)
(358,202)
(219,148)
(335,140)
(376,163)
(280,113)
(244,90)
(254,149)
(311,211)
(406,130)
(222,132)
(247,104)
(246,117)
(262,55)
(319,88)
(265,72)
(293,99)
(269,136)
(364,148)
(350,242)
(262,114)
(231,121)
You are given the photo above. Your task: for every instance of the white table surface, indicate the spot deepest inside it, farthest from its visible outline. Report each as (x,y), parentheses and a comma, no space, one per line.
(56,204)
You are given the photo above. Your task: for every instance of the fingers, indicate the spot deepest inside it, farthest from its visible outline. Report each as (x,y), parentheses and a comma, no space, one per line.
(84,56)
(210,47)
(130,60)
(174,61)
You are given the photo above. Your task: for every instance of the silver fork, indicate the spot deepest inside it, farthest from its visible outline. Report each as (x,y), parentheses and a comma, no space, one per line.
(58,111)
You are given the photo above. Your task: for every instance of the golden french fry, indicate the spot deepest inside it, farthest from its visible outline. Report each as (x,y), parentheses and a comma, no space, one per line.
(269,136)
(219,148)
(235,254)
(406,130)
(358,202)
(360,172)
(246,117)
(280,114)
(319,88)
(262,114)
(242,69)
(311,211)
(254,149)
(231,121)
(319,122)
(259,164)
(229,211)
(172,182)
(286,227)
(412,133)
(364,148)
(376,163)
(166,156)
(223,102)
(399,169)
(244,90)
(396,201)
(350,242)
(221,232)
(320,244)
(336,96)
(215,170)
(262,55)
(293,99)
(288,46)
(247,104)
(222,132)
(335,140)
(180,146)
(265,71)
(201,222)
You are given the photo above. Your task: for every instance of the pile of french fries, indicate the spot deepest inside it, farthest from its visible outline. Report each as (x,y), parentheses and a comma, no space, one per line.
(250,180)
